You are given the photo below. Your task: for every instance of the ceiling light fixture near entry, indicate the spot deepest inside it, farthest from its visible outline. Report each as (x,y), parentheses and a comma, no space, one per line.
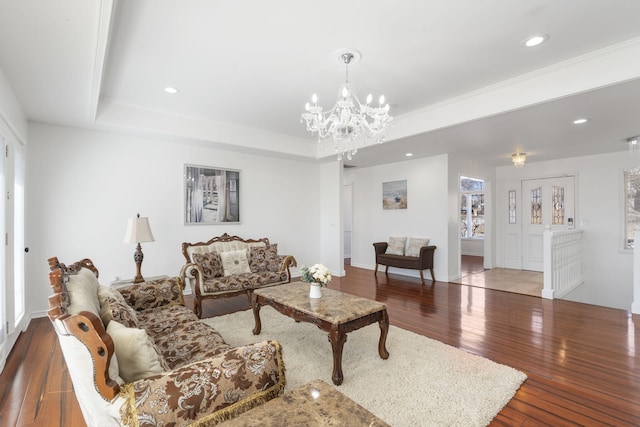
(170,89)
(518,159)
(580,121)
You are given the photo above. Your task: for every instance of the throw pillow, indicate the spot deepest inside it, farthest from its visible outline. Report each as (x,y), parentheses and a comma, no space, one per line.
(211,264)
(121,312)
(396,245)
(414,246)
(82,288)
(104,293)
(137,356)
(114,369)
(235,262)
(263,259)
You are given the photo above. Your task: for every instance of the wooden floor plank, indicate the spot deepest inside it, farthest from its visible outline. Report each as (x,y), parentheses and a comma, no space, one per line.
(581,359)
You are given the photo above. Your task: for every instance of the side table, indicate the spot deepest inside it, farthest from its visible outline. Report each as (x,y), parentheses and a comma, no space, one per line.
(128,282)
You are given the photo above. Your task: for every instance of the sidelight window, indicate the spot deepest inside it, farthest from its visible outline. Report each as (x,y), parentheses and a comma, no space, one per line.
(471,207)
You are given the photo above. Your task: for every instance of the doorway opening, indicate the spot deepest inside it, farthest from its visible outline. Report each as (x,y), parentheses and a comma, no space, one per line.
(472,225)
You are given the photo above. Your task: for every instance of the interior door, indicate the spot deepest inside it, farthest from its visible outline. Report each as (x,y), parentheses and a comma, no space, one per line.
(4,350)
(546,202)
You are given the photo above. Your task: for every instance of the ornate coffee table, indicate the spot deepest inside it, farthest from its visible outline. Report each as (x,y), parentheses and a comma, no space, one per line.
(313,404)
(336,312)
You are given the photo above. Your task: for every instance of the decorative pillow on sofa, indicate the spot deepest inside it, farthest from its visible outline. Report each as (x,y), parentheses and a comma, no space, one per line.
(104,293)
(264,259)
(235,262)
(82,288)
(396,246)
(137,355)
(211,264)
(414,246)
(121,312)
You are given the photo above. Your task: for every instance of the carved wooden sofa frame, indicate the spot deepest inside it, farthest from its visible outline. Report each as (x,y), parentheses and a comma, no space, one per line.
(194,272)
(88,350)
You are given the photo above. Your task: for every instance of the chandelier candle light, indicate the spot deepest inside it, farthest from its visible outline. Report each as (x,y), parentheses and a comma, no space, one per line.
(348,118)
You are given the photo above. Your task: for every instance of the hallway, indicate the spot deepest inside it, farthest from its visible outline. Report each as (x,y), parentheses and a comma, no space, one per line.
(502,279)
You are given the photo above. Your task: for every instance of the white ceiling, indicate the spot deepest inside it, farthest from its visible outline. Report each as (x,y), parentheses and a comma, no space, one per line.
(456,73)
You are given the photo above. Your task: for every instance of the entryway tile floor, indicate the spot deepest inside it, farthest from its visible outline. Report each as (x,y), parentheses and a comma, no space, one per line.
(502,279)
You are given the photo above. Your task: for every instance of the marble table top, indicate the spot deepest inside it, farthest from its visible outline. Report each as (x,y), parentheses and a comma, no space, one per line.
(334,306)
(315,404)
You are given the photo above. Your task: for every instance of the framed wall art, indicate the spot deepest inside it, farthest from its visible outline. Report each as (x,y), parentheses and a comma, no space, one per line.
(394,195)
(211,195)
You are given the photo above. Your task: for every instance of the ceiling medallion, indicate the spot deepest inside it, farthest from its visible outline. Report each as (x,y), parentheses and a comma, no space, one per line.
(348,118)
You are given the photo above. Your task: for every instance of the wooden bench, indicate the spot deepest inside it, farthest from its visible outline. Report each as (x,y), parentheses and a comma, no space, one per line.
(422,262)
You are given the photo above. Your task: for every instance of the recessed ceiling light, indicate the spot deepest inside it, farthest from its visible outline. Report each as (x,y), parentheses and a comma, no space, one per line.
(536,40)
(580,121)
(171,90)
(409,154)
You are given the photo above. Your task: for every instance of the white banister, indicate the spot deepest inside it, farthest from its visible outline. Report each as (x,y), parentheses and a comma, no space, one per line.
(635,306)
(562,262)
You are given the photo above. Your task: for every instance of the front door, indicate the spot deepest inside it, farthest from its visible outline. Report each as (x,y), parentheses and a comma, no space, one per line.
(545,202)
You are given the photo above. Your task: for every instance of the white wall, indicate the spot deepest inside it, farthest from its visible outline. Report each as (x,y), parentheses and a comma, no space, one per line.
(13,129)
(84,185)
(11,111)
(426,214)
(331,236)
(608,270)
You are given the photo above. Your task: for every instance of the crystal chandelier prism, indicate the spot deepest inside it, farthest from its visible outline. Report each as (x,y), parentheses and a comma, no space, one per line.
(348,118)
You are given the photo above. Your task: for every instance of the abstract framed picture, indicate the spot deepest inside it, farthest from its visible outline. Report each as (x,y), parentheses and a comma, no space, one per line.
(394,195)
(211,195)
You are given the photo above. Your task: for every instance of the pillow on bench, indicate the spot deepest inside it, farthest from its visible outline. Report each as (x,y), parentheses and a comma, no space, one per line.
(396,246)
(414,246)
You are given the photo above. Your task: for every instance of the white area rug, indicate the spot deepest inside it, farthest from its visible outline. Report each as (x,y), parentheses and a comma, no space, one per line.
(423,383)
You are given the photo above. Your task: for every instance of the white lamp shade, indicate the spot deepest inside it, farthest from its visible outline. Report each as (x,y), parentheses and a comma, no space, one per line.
(138,231)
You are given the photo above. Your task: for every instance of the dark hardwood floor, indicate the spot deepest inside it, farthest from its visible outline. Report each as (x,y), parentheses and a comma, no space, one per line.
(582,360)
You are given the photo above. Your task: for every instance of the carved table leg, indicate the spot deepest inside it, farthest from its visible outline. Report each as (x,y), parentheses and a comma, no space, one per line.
(384,330)
(337,338)
(256,316)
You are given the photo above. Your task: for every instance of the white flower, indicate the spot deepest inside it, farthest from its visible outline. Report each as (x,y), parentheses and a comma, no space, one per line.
(317,273)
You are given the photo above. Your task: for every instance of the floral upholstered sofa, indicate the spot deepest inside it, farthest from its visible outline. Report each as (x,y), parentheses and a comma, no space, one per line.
(227,266)
(138,357)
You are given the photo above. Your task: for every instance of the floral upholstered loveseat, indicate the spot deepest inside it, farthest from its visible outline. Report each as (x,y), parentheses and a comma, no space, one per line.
(229,265)
(138,357)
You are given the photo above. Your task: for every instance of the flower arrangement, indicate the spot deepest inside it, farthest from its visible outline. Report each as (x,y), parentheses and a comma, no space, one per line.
(316,274)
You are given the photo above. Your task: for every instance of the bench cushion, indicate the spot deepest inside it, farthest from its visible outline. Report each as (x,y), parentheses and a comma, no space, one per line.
(244,281)
(399,261)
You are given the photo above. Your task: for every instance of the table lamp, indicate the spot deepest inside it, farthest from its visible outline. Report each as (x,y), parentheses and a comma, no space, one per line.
(138,231)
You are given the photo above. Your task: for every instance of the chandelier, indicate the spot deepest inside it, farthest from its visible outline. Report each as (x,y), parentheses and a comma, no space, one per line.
(349,118)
